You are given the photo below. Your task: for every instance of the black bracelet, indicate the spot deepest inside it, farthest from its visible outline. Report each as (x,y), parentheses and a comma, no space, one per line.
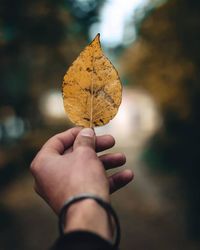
(101,202)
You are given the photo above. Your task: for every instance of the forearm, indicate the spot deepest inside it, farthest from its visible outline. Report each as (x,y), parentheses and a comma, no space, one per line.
(87,226)
(87,215)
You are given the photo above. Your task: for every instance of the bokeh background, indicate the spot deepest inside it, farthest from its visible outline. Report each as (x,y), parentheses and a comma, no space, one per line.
(154,44)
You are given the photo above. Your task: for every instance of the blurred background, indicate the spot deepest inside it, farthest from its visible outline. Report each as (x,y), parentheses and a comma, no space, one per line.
(154,44)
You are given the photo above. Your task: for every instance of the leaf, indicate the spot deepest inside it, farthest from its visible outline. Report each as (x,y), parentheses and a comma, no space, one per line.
(91,88)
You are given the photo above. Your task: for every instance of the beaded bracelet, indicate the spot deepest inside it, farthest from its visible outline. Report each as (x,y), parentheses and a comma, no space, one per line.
(101,202)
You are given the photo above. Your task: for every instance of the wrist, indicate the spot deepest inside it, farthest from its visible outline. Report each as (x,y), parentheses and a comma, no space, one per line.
(88,215)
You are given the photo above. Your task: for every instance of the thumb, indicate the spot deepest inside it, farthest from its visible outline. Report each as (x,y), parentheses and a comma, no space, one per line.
(85,138)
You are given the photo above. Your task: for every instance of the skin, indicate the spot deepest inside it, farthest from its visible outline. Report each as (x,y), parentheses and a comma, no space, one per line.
(68,165)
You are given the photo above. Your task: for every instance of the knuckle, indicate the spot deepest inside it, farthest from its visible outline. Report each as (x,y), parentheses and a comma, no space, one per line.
(37,163)
(33,167)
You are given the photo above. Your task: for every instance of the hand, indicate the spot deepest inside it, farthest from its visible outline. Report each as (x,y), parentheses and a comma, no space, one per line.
(68,165)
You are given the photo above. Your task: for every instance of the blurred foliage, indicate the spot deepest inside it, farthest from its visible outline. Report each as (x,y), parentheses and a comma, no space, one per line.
(165,61)
(38,41)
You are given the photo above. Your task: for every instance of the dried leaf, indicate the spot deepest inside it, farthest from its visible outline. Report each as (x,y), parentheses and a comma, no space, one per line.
(91,88)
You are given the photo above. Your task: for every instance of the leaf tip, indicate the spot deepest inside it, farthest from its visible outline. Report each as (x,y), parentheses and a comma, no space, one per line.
(96,41)
(97,37)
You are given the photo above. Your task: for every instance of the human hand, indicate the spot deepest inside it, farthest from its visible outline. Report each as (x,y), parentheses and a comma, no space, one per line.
(68,165)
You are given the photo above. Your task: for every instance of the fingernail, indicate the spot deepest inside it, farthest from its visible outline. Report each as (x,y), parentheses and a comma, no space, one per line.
(89,132)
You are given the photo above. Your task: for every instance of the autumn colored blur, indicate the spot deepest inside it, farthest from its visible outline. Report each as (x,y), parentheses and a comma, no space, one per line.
(157,55)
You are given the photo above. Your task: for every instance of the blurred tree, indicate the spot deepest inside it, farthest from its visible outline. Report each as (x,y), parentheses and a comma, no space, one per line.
(39,39)
(165,61)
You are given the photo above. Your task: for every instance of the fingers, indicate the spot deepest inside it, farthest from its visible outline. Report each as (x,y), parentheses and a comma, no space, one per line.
(104,142)
(120,179)
(60,142)
(112,160)
(85,138)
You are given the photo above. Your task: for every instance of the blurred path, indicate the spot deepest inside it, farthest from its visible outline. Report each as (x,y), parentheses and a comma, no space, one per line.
(151,209)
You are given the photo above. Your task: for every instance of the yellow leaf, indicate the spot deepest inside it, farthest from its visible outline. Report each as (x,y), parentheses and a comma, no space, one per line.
(91,88)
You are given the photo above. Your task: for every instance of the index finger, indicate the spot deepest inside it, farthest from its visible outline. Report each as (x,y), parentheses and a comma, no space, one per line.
(62,141)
